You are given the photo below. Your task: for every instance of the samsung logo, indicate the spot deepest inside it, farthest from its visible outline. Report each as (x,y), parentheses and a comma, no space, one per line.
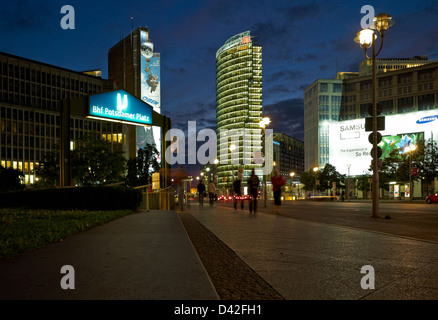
(352,127)
(427,119)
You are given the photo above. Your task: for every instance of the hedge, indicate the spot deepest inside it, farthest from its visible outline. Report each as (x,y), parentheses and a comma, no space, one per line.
(80,198)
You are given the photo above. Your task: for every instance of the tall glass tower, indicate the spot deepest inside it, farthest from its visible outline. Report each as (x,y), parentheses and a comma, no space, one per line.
(238,108)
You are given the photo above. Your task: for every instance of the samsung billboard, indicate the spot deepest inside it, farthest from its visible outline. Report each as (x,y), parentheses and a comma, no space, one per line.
(350,148)
(120,106)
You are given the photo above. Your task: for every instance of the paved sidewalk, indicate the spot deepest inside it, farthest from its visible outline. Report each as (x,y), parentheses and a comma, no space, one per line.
(146,255)
(320,261)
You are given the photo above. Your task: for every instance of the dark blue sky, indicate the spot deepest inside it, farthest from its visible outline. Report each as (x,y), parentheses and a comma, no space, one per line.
(302,40)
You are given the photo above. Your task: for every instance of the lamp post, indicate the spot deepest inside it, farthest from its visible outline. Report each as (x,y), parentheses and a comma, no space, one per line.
(366,38)
(348,182)
(263,124)
(292,174)
(409,149)
(314,170)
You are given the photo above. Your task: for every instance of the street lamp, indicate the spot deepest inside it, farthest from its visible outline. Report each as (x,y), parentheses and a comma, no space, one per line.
(292,174)
(263,124)
(409,149)
(315,169)
(366,38)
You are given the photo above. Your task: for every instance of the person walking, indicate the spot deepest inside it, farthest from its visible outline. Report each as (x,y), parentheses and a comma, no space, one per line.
(277,182)
(253,187)
(211,191)
(201,192)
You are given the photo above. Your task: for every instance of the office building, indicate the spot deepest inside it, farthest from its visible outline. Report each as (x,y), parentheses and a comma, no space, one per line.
(322,102)
(30,95)
(392,64)
(288,155)
(408,97)
(135,67)
(238,106)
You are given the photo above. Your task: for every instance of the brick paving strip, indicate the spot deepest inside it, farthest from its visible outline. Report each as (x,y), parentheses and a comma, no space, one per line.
(231,276)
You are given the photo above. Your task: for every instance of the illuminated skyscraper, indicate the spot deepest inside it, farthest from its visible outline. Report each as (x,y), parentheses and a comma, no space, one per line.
(238,106)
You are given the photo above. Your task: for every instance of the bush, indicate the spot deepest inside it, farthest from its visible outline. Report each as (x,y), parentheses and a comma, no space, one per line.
(82,198)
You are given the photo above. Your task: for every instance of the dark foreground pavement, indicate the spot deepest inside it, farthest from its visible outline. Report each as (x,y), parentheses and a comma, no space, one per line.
(146,255)
(310,251)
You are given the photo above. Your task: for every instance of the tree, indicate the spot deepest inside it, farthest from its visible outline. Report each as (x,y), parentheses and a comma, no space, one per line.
(140,168)
(428,164)
(307,178)
(363,184)
(48,170)
(327,176)
(10,179)
(93,161)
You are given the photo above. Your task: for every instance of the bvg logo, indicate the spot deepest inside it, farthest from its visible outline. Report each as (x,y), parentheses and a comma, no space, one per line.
(122,105)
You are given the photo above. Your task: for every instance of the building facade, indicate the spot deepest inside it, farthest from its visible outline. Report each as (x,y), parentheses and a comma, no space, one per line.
(288,155)
(135,67)
(322,102)
(238,107)
(408,97)
(30,124)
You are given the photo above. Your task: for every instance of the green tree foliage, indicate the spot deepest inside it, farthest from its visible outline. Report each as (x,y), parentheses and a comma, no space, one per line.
(307,178)
(94,162)
(427,164)
(140,169)
(10,179)
(327,176)
(363,183)
(48,170)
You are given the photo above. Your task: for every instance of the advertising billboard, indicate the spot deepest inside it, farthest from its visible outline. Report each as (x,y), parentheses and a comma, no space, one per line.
(150,90)
(120,106)
(349,146)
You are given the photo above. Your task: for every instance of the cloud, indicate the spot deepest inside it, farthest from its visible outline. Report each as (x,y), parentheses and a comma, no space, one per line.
(23,15)
(287,116)
(287,75)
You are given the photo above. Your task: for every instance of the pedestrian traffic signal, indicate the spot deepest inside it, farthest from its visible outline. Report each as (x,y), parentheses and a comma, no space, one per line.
(371,135)
(379,152)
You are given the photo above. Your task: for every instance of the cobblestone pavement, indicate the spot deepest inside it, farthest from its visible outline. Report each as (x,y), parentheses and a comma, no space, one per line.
(232,277)
(322,260)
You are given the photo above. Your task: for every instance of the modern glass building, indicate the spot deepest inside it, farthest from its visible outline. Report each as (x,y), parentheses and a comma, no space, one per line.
(322,102)
(238,107)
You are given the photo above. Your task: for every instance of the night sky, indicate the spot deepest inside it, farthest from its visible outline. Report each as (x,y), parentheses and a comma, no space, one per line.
(302,41)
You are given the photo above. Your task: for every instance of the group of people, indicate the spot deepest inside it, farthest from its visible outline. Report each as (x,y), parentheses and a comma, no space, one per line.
(253,189)
(211,189)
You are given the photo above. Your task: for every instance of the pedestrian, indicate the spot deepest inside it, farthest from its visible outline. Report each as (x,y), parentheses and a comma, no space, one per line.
(253,187)
(237,193)
(277,182)
(211,191)
(201,192)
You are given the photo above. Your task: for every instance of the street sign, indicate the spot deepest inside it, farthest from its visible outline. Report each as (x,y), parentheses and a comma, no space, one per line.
(380,123)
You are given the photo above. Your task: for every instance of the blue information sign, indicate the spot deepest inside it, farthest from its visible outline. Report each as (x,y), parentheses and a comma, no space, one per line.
(122,106)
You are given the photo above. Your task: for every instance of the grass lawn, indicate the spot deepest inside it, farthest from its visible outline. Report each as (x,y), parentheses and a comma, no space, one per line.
(22,229)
